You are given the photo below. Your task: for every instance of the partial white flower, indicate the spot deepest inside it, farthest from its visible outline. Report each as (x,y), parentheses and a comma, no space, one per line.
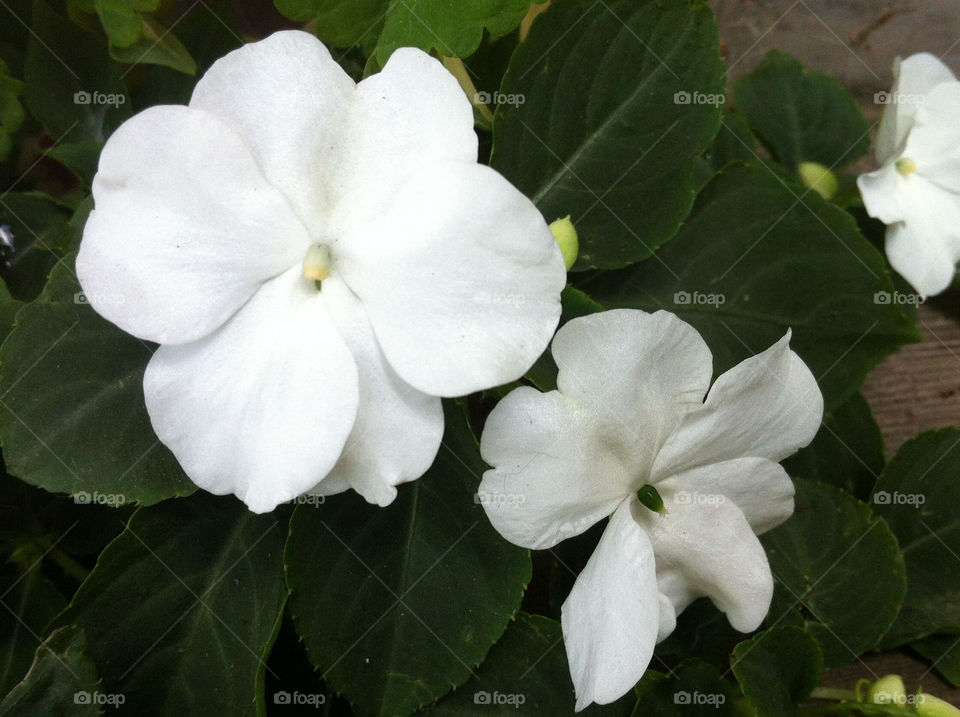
(916,192)
(215,221)
(629,414)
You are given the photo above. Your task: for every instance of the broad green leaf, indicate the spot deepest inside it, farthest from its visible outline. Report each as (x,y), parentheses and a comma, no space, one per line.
(606,106)
(802,116)
(848,450)
(694,689)
(451,27)
(62,681)
(574,303)
(778,670)
(156,46)
(396,605)
(28,602)
(525,673)
(72,86)
(943,651)
(72,415)
(79,157)
(121,19)
(918,494)
(837,571)
(8,310)
(11,111)
(40,227)
(755,259)
(182,608)
(702,632)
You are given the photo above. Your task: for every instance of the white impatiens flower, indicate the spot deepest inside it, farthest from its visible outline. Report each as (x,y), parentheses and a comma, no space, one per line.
(319,261)
(627,428)
(916,192)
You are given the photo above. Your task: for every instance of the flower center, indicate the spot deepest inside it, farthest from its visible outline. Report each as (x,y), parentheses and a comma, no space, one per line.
(905,166)
(317,262)
(650,497)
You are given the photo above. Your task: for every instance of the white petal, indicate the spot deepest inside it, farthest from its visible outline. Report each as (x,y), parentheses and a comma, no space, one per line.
(557,469)
(262,407)
(760,488)
(184,229)
(884,194)
(640,371)
(610,619)
(398,429)
(408,116)
(709,549)
(914,77)
(767,406)
(925,247)
(461,279)
(289,100)
(934,142)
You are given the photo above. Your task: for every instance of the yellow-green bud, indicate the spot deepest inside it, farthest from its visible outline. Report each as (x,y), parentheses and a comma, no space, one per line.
(566,236)
(905,166)
(888,690)
(930,706)
(818,178)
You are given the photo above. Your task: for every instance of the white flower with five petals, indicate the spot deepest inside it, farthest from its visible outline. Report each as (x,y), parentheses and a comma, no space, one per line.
(916,191)
(630,413)
(315,258)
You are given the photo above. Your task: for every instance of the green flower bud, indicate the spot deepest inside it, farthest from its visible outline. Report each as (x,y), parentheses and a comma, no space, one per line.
(566,237)
(930,706)
(818,178)
(888,690)
(650,497)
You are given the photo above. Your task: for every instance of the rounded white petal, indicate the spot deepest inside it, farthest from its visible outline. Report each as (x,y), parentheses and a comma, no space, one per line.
(760,488)
(611,618)
(557,469)
(641,371)
(184,229)
(925,247)
(767,406)
(461,279)
(709,549)
(885,195)
(934,141)
(262,407)
(289,100)
(405,118)
(914,78)
(398,429)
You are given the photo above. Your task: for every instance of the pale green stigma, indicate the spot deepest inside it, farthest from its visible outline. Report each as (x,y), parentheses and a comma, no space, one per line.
(317,262)
(905,166)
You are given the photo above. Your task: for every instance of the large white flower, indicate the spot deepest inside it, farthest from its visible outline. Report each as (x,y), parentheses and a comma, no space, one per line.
(214,222)
(916,192)
(629,414)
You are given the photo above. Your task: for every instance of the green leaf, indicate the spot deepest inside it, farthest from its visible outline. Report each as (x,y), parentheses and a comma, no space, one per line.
(156,46)
(79,157)
(62,681)
(72,415)
(396,605)
(694,689)
(11,111)
(943,651)
(121,19)
(837,571)
(451,27)
(778,670)
(802,116)
(848,450)
(526,672)
(29,603)
(8,310)
(784,262)
(918,494)
(574,303)
(41,230)
(702,632)
(602,132)
(182,608)
(72,86)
